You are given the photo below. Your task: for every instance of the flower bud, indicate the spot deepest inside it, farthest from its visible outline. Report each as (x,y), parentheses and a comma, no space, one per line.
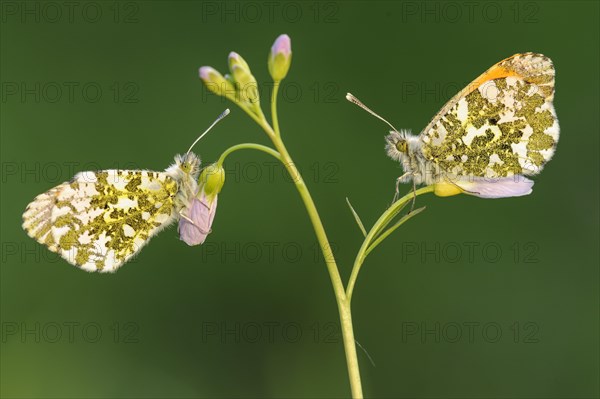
(195,227)
(211,180)
(246,82)
(445,189)
(235,59)
(215,82)
(280,58)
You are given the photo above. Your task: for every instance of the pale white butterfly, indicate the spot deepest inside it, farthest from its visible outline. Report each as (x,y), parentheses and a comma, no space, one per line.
(100,219)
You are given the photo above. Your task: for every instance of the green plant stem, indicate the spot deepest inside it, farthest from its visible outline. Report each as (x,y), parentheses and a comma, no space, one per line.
(379,225)
(248,146)
(372,239)
(389,231)
(258,118)
(338,286)
(274,108)
(336,280)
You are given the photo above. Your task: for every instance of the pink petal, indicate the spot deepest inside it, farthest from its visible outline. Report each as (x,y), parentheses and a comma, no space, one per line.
(206,71)
(514,186)
(282,45)
(202,214)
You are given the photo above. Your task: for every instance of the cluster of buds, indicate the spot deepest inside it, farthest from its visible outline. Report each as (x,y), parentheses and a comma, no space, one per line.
(239,85)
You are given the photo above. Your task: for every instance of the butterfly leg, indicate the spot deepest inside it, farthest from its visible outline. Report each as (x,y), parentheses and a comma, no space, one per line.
(398,181)
(414,198)
(207,207)
(186,218)
(192,222)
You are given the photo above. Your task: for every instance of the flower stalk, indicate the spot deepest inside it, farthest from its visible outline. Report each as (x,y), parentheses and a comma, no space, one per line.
(279,63)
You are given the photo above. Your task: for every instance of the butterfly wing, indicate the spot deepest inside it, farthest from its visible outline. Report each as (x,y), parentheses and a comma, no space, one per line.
(502,124)
(99,220)
(38,215)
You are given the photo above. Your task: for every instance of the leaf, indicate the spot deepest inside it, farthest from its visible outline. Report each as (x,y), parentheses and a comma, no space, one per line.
(357,218)
(366,353)
(399,206)
(389,231)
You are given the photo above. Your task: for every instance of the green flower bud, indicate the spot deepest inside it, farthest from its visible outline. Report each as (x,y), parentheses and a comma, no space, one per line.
(246,83)
(211,181)
(280,58)
(215,82)
(235,59)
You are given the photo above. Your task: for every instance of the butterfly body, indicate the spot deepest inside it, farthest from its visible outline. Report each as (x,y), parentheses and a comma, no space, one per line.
(185,172)
(407,149)
(487,138)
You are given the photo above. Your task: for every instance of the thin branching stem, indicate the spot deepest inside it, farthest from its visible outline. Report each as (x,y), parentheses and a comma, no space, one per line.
(247,146)
(381,223)
(376,235)
(338,286)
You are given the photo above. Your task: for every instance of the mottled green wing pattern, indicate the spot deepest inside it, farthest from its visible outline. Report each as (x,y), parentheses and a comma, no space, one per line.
(38,215)
(101,219)
(502,124)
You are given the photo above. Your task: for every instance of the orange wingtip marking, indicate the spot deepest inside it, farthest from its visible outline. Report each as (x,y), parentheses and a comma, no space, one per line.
(496,72)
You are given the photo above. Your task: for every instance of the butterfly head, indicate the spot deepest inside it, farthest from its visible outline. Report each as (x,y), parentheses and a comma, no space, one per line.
(187,164)
(397,144)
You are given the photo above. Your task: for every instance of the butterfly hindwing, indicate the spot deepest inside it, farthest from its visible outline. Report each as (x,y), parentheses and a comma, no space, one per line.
(502,124)
(38,215)
(101,219)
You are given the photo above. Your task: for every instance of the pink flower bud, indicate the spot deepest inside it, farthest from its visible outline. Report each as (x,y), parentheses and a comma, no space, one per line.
(282,45)
(280,57)
(215,82)
(201,214)
(235,59)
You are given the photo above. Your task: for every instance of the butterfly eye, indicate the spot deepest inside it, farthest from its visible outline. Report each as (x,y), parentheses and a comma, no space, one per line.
(401,146)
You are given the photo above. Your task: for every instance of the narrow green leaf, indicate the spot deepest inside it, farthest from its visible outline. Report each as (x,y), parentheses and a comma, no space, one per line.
(389,231)
(366,353)
(395,212)
(357,218)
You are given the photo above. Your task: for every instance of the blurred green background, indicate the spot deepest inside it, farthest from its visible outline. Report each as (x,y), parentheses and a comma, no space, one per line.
(472,298)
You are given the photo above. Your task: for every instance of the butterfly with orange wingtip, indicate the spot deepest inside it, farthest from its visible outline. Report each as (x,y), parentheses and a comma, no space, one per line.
(499,129)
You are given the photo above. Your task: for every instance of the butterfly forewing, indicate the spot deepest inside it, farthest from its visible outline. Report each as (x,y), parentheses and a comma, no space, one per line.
(502,124)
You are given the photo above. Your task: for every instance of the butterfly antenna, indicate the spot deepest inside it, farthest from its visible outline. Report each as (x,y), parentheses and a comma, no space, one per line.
(223,115)
(356,101)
